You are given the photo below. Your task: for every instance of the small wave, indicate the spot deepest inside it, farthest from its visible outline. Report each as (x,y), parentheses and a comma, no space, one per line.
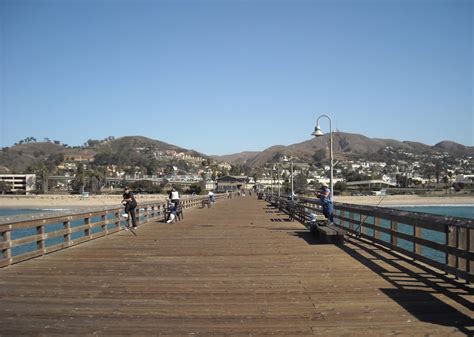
(427,205)
(55,209)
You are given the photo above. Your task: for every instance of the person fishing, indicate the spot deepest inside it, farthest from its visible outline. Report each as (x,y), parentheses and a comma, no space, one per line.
(324,195)
(130,204)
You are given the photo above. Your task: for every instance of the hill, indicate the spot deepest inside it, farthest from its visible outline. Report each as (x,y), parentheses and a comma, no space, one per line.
(129,150)
(353,146)
(236,158)
(18,158)
(150,153)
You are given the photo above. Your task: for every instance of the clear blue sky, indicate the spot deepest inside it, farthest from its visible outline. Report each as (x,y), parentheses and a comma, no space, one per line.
(227,76)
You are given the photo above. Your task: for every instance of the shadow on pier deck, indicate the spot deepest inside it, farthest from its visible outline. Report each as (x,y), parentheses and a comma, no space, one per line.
(236,269)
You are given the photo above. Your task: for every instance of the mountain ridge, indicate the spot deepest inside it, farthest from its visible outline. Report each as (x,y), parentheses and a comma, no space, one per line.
(345,146)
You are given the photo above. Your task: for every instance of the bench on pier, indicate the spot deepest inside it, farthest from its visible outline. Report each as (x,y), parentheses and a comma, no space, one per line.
(179,213)
(206,202)
(328,231)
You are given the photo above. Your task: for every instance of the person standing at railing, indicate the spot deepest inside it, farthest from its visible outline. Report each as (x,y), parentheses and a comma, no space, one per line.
(130,204)
(324,195)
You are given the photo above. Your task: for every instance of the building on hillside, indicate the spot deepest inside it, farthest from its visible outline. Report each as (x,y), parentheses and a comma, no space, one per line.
(210,185)
(19,183)
(467,179)
(370,183)
(232,183)
(79,156)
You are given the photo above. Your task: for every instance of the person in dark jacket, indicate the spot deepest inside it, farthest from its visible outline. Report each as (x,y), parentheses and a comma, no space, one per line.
(130,204)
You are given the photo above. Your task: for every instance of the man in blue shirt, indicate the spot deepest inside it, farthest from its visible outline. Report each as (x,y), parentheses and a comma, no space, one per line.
(324,194)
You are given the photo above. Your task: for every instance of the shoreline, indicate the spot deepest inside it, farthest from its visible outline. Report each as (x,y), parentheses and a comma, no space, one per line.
(406,200)
(67,202)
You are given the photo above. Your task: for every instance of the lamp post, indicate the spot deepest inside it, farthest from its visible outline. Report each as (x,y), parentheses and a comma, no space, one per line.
(272,181)
(292,186)
(279,178)
(318,133)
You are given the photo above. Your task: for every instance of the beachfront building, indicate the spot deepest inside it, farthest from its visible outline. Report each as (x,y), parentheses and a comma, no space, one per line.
(19,183)
(371,183)
(466,179)
(210,185)
(232,183)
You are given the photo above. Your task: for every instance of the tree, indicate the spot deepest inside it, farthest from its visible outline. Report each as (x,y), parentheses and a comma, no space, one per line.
(197,188)
(169,170)
(54,160)
(300,183)
(319,156)
(5,187)
(445,181)
(146,186)
(42,172)
(340,186)
(79,181)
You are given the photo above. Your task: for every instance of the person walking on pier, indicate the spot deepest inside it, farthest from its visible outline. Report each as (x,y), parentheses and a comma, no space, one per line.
(212,197)
(324,194)
(174,196)
(130,204)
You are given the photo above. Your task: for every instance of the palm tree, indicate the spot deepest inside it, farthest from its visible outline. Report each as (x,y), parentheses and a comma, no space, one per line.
(5,187)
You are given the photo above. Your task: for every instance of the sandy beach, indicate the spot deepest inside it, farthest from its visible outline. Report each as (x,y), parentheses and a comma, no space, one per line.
(70,201)
(77,201)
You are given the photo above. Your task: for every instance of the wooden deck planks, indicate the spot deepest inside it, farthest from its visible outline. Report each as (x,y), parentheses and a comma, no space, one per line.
(236,269)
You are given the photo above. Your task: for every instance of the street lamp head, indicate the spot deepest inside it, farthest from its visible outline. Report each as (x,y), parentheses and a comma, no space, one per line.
(317,132)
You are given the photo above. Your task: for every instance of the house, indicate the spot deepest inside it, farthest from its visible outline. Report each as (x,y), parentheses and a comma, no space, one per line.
(231,183)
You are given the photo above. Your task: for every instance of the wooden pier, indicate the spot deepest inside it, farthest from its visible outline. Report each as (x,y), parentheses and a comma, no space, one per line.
(240,268)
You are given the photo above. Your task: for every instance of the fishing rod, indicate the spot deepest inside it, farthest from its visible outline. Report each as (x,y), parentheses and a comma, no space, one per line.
(363,221)
(122,217)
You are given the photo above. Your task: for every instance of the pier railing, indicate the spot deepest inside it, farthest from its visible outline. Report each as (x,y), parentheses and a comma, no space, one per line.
(445,243)
(25,239)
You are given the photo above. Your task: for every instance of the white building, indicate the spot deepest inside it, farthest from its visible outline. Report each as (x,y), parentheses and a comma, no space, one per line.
(467,179)
(20,182)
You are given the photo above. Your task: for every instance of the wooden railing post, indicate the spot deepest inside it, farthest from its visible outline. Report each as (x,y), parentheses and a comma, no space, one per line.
(393,237)
(452,241)
(469,262)
(40,242)
(463,244)
(7,250)
(87,231)
(416,246)
(104,220)
(117,220)
(67,234)
(377,223)
(137,215)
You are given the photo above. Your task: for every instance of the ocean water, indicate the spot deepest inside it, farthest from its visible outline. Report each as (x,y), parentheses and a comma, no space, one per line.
(434,236)
(12,214)
(457,211)
(15,211)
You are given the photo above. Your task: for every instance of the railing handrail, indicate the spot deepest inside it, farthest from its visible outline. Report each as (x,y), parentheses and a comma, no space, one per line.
(458,231)
(146,211)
